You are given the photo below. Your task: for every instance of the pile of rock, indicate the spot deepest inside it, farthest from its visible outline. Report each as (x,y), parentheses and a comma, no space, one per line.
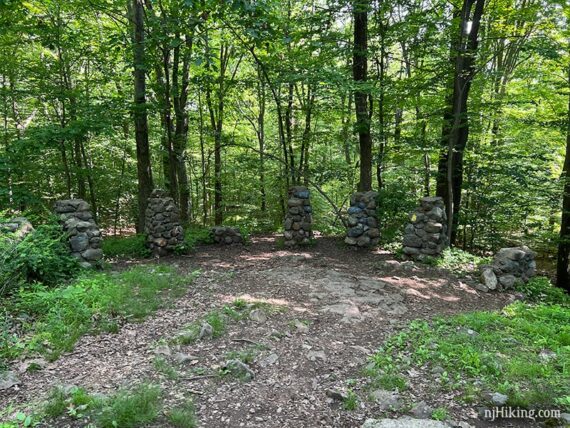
(85,239)
(163,229)
(17,228)
(298,222)
(426,234)
(363,220)
(509,266)
(227,235)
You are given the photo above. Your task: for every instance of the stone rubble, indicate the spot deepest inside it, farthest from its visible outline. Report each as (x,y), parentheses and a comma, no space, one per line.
(163,229)
(363,220)
(509,266)
(227,235)
(85,240)
(298,228)
(17,228)
(426,234)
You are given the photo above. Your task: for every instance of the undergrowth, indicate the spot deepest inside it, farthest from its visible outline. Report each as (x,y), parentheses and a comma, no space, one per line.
(50,321)
(458,261)
(522,351)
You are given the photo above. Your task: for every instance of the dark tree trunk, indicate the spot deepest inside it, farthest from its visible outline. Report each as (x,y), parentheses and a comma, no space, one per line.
(360,71)
(456,121)
(562,276)
(144,171)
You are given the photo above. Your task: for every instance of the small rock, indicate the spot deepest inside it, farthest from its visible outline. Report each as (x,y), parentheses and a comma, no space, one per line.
(547,355)
(488,278)
(317,355)
(386,400)
(8,380)
(405,422)
(422,411)
(438,370)
(269,360)
(258,316)
(206,331)
(301,327)
(499,399)
(163,350)
(335,395)
(182,358)
(240,369)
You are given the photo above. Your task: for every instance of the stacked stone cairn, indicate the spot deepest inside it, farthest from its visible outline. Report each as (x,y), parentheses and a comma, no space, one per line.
(426,234)
(509,266)
(85,239)
(163,229)
(363,220)
(298,221)
(227,235)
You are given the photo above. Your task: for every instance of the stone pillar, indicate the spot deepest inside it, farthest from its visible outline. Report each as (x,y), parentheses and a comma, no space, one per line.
(426,235)
(298,222)
(85,239)
(162,224)
(363,220)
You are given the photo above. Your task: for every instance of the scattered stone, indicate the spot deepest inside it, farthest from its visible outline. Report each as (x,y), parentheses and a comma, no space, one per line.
(258,316)
(206,331)
(227,235)
(404,422)
(163,229)
(85,239)
(317,355)
(499,399)
(32,364)
(163,350)
(509,266)
(335,394)
(301,327)
(8,379)
(181,358)
(386,400)
(298,222)
(422,410)
(16,229)
(547,355)
(269,360)
(363,228)
(239,369)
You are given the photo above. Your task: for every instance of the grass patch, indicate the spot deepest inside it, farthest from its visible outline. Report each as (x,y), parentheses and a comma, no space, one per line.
(523,352)
(129,246)
(350,402)
(195,235)
(458,261)
(183,416)
(165,368)
(540,289)
(50,321)
(130,408)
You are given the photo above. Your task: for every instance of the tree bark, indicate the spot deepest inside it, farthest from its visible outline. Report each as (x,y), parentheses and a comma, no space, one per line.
(360,71)
(144,170)
(562,275)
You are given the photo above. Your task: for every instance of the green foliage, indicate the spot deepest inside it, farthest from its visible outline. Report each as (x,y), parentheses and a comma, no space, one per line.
(195,235)
(458,261)
(440,414)
(130,408)
(131,246)
(540,290)
(395,203)
(183,416)
(42,256)
(75,402)
(95,302)
(350,402)
(521,351)
(164,367)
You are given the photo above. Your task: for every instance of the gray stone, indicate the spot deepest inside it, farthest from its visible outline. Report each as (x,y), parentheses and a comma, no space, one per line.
(507,281)
(499,399)
(239,369)
(421,410)
(258,316)
(488,278)
(79,242)
(404,422)
(206,330)
(92,254)
(386,400)
(269,360)
(317,355)
(8,379)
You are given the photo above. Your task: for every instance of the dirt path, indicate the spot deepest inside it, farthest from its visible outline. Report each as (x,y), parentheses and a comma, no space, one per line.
(331,307)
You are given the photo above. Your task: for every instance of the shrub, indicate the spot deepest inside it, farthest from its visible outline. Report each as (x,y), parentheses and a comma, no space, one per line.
(125,246)
(131,408)
(539,289)
(42,256)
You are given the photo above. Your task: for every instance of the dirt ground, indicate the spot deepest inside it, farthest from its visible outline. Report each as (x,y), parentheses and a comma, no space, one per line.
(331,308)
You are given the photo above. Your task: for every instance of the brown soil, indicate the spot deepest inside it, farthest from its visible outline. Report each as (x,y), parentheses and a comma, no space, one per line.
(291,391)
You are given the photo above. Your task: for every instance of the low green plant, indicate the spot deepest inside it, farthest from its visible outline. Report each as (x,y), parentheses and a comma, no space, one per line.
(458,261)
(75,402)
(96,302)
(162,366)
(183,416)
(440,414)
(522,351)
(42,256)
(350,401)
(130,408)
(130,246)
(540,290)
(195,235)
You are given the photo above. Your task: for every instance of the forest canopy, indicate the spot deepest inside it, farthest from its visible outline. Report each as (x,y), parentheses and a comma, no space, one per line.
(225,104)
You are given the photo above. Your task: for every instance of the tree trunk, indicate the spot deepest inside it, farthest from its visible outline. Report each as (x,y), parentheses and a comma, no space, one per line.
(360,71)
(562,275)
(456,121)
(144,170)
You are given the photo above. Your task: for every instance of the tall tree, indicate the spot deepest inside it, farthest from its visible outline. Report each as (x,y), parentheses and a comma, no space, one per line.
(360,72)
(456,121)
(144,170)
